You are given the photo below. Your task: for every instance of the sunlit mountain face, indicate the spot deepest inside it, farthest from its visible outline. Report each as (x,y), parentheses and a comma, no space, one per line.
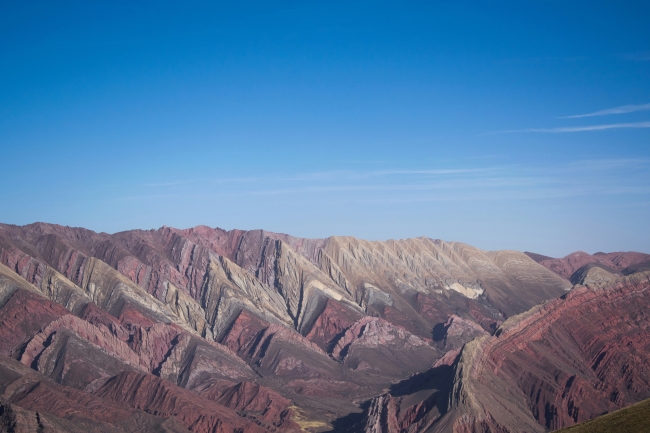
(208,330)
(308,217)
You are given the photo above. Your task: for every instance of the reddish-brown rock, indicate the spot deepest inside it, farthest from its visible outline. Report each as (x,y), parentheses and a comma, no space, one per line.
(381,277)
(157,396)
(22,316)
(568,265)
(255,401)
(566,361)
(376,346)
(457,331)
(98,317)
(30,403)
(309,328)
(331,323)
(242,333)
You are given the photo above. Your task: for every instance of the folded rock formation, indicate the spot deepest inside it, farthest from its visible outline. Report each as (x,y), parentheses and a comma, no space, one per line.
(206,330)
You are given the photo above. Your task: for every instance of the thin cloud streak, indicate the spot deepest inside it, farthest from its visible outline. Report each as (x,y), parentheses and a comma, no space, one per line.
(514,182)
(638,56)
(611,163)
(172,183)
(332,175)
(580,128)
(616,110)
(431,172)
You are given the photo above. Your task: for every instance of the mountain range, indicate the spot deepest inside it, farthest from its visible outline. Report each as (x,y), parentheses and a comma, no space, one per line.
(207,330)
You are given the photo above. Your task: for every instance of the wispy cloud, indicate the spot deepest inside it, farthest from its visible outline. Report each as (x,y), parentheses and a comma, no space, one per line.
(613,176)
(611,164)
(435,172)
(173,183)
(581,128)
(639,56)
(616,110)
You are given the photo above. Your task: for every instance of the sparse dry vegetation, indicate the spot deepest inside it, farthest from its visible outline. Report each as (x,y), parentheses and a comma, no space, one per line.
(307,425)
(632,419)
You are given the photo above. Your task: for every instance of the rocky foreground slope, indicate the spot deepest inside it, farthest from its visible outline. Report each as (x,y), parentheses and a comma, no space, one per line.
(566,361)
(206,330)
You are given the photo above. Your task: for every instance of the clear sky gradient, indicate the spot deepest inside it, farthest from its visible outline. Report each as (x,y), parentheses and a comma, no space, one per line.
(503,124)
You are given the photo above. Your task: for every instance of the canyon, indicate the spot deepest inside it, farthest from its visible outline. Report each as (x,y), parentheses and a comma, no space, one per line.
(206,330)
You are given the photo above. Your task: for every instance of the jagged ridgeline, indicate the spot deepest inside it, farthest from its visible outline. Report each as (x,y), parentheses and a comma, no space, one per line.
(207,330)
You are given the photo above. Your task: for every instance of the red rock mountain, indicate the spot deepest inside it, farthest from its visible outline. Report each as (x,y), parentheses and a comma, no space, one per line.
(576,265)
(206,330)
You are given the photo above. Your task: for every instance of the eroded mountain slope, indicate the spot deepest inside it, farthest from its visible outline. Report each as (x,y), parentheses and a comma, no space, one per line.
(622,263)
(560,363)
(256,331)
(206,276)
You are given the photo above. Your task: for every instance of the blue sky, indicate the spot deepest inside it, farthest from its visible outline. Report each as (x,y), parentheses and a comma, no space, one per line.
(504,124)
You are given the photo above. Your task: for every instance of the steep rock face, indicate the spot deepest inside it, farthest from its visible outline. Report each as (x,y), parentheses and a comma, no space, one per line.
(414,404)
(246,248)
(50,282)
(438,308)
(594,274)
(583,355)
(154,395)
(394,351)
(383,416)
(73,361)
(281,262)
(252,338)
(295,365)
(169,264)
(228,289)
(29,402)
(76,353)
(284,354)
(203,283)
(566,361)
(257,402)
(426,266)
(387,415)
(526,284)
(57,260)
(362,272)
(98,336)
(154,343)
(302,284)
(73,252)
(92,354)
(457,331)
(22,316)
(331,323)
(390,278)
(193,361)
(280,331)
(89,351)
(241,337)
(101,319)
(205,276)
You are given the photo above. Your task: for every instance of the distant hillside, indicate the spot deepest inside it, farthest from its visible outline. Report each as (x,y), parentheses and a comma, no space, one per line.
(204,330)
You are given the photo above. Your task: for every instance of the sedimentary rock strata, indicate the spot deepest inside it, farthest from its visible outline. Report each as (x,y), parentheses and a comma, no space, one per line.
(207,330)
(560,363)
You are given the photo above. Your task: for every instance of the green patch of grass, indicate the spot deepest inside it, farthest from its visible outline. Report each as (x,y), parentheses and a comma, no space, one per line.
(632,419)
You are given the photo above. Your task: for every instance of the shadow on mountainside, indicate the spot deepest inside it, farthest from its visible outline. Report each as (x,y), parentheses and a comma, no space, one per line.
(353,422)
(430,388)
